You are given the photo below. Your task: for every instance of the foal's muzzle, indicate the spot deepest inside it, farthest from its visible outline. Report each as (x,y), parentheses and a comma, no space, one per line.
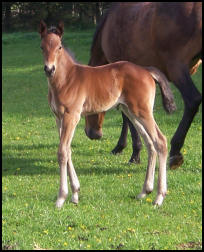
(49,71)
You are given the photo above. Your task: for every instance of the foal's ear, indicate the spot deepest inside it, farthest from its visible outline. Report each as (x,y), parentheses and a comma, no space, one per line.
(60,29)
(43,28)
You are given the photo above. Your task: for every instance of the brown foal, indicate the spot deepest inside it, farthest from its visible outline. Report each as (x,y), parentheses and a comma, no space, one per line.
(76,90)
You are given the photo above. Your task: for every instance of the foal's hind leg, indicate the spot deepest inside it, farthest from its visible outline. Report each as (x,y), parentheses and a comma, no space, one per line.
(160,145)
(154,140)
(149,179)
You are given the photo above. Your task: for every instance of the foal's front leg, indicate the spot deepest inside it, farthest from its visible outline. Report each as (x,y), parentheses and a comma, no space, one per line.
(59,126)
(69,123)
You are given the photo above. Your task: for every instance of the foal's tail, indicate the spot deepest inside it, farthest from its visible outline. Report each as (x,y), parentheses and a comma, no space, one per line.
(167,95)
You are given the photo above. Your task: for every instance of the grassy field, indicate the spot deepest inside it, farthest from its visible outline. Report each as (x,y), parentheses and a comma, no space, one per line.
(108,216)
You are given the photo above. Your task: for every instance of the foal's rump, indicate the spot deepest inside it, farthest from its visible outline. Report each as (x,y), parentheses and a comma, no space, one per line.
(134,76)
(120,82)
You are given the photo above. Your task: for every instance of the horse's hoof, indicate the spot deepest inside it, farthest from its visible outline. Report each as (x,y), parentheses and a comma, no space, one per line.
(176,161)
(134,160)
(118,149)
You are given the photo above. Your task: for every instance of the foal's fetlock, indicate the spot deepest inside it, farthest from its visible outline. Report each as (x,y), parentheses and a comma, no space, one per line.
(75,198)
(60,202)
(149,189)
(61,199)
(142,195)
(144,192)
(159,199)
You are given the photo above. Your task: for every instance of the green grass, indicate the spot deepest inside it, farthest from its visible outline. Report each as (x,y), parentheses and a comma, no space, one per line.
(108,216)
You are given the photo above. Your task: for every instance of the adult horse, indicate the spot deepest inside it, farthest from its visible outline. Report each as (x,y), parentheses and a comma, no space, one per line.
(164,35)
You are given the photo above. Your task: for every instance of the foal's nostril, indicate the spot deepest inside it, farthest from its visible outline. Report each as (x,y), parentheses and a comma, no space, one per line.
(45,68)
(49,71)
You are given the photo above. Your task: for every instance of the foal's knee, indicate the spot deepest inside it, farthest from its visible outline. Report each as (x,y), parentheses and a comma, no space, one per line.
(161,145)
(151,149)
(62,156)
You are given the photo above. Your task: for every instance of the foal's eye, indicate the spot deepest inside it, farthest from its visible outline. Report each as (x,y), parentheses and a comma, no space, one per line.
(60,47)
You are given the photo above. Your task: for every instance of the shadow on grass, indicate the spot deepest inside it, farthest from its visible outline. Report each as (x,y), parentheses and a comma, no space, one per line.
(14,163)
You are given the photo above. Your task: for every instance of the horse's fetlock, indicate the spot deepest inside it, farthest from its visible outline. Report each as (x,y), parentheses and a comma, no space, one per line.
(195,104)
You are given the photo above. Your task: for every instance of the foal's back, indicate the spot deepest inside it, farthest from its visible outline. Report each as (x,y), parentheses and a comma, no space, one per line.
(109,85)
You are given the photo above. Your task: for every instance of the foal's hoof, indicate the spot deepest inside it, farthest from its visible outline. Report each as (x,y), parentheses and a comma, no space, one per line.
(159,200)
(118,149)
(59,203)
(75,198)
(142,195)
(176,161)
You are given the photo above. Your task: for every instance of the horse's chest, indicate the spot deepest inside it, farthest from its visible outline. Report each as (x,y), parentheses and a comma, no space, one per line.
(52,102)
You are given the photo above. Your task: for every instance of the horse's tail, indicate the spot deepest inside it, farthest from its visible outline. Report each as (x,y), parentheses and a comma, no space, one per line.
(167,95)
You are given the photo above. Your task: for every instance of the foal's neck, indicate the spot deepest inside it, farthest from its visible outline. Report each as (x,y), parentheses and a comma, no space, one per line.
(65,62)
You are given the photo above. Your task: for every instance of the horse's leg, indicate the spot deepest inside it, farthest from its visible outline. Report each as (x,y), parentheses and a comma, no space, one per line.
(122,142)
(69,123)
(136,144)
(192,99)
(154,140)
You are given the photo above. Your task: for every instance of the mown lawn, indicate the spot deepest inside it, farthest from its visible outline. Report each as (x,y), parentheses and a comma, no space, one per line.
(108,216)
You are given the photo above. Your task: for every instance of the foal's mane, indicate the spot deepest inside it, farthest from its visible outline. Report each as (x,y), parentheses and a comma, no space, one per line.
(53,29)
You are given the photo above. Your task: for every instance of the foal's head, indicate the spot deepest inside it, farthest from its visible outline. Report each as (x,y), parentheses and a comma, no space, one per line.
(51,46)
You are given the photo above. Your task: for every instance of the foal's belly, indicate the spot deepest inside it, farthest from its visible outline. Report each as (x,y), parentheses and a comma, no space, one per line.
(94,107)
